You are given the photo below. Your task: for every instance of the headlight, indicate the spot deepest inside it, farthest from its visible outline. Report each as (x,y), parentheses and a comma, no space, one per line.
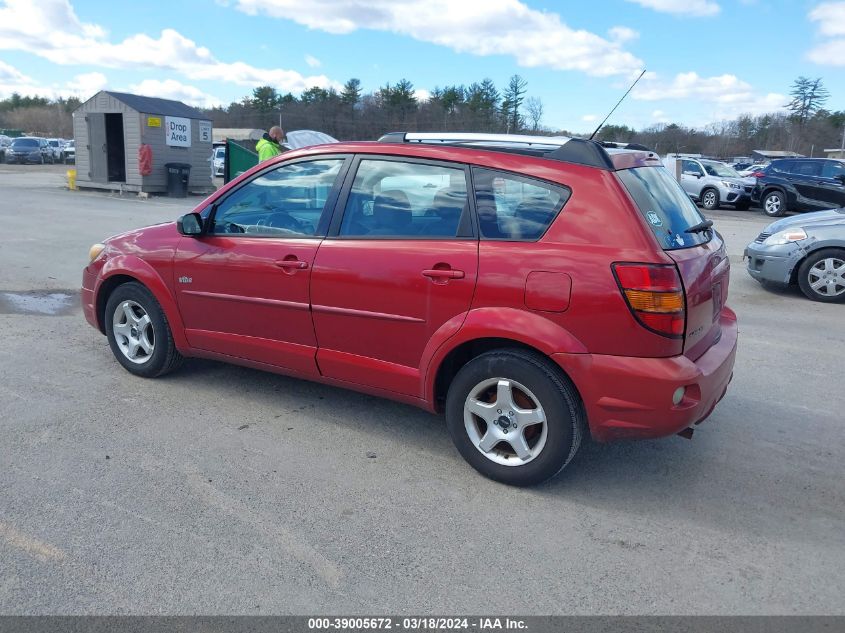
(785,237)
(731,185)
(95,251)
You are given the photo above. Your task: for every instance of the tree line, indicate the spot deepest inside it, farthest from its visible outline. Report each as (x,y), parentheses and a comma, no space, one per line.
(805,126)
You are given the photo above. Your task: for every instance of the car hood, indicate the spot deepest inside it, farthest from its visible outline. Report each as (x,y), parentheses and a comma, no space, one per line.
(817,218)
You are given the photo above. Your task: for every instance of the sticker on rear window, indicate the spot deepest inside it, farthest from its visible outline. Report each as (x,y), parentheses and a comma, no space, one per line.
(654,219)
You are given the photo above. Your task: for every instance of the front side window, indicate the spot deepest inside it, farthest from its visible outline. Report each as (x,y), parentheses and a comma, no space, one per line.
(395,199)
(512,207)
(284,202)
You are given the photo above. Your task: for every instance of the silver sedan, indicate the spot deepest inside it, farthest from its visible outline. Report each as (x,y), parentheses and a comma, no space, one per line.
(807,250)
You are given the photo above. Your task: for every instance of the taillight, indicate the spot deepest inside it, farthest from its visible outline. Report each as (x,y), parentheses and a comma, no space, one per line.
(758,174)
(655,296)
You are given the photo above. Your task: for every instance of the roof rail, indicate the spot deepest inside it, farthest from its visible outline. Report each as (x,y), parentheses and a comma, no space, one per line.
(572,150)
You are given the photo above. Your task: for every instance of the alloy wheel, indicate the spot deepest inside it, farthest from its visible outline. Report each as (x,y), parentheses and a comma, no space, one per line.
(505,421)
(133,331)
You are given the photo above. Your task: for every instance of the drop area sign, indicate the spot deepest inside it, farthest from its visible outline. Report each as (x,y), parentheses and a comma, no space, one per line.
(178,131)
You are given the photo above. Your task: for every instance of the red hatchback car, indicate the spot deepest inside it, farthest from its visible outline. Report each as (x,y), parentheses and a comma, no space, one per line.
(532,289)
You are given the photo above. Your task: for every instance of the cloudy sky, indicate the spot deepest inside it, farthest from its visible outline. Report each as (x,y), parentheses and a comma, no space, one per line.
(707,60)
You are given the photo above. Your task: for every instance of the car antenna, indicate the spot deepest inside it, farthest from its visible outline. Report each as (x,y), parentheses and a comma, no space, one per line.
(617,105)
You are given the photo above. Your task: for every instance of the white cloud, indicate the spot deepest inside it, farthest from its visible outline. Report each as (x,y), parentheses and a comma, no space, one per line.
(87,84)
(312,61)
(421,94)
(729,95)
(496,27)
(52,30)
(622,34)
(589,118)
(830,53)
(830,17)
(82,86)
(172,89)
(692,8)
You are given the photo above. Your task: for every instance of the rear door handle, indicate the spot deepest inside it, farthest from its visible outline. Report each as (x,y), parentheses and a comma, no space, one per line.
(289,264)
(439,273)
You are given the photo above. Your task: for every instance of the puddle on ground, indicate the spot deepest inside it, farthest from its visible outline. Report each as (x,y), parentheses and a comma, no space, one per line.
(40,302)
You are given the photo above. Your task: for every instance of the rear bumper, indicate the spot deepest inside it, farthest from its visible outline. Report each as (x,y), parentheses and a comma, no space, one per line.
(631,398)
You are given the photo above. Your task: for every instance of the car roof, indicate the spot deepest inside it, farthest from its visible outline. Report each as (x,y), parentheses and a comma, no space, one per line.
(586,152)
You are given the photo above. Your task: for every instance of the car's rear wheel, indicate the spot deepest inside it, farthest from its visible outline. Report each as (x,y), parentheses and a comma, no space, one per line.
(514,416)
(821,276)
(138,332)
(710,199)
(774,204)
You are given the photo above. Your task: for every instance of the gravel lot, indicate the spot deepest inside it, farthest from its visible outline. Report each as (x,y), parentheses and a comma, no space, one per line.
(225,490)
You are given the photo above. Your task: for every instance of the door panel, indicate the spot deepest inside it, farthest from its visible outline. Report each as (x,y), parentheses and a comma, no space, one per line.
(243,288)
(236,300)
(378,302)
(97,154)
(400,262)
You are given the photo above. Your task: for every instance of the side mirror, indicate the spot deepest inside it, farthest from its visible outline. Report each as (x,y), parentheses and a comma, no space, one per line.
(190,224)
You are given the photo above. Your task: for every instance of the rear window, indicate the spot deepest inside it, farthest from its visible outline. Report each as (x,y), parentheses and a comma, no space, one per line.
(666,207)
(25,142)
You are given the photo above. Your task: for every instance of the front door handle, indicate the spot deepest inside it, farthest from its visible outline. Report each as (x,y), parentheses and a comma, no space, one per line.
(443,273)
(292,264)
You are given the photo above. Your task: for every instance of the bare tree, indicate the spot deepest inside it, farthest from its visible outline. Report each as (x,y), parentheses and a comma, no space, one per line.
(534,107)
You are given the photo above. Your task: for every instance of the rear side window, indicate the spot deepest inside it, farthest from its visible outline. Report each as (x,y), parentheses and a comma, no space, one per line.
(512,207)
(666,207)
(807,168)
(782,166)
(833,169)
(405,200)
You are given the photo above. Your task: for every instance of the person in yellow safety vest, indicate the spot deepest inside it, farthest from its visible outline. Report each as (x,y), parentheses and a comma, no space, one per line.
(270,143)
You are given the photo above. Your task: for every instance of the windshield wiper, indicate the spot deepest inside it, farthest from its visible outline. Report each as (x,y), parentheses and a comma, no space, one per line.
(700,227)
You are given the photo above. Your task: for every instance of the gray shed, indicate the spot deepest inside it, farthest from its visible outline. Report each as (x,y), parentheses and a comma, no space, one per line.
(110,128)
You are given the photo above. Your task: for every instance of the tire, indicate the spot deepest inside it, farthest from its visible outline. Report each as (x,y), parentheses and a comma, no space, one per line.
(502,385)
(773,204)
(821,276)
(138,332)
(710,199)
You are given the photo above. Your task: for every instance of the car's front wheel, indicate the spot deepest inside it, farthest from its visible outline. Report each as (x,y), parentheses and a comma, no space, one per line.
(514,416)
(138,332)
(774,204)
(710,199)
(821,276)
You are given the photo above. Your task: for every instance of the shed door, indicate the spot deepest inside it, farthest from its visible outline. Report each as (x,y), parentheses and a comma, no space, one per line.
(97,154)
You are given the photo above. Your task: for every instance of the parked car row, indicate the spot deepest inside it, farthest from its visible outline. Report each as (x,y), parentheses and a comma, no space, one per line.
(38,150)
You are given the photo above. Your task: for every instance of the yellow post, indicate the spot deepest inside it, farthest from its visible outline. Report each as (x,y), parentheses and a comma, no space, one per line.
(71,179)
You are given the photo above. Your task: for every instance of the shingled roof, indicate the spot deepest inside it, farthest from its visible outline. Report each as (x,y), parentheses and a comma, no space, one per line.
(154,105)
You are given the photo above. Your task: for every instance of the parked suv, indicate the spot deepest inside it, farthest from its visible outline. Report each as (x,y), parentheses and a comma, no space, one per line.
(710,182)
(801,184)
(535,290)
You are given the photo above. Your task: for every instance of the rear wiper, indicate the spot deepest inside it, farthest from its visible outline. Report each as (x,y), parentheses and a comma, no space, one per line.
(700,227)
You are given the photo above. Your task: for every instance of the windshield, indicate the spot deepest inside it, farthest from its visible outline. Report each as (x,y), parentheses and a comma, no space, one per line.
(54,143)
(666,207)
(721,170)
(24,142)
